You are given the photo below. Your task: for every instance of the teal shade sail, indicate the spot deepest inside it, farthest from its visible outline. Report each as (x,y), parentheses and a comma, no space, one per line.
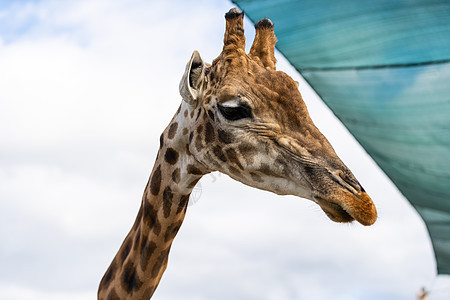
(383,67)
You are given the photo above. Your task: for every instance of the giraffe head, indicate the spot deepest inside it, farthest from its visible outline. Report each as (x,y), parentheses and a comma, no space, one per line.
(247,120)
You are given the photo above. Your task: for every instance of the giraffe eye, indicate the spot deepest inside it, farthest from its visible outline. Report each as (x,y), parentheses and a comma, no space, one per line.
(234,113)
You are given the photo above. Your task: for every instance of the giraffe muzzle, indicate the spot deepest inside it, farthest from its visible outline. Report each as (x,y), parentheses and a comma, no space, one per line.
(346,207)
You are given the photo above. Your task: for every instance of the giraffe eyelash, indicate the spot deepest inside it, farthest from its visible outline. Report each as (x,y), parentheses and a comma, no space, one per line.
(235,113)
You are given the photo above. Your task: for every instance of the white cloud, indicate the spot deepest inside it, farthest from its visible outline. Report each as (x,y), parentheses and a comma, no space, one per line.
(86,88)
(20,293)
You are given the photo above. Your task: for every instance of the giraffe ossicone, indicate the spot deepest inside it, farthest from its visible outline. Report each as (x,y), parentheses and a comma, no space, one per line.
(243,118)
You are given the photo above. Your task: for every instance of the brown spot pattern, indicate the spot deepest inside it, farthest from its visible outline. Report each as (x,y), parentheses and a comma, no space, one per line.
(256,177)
(167,201)
(172,231)
(159,262)
(182,205)
(232,156)
(126,249)
(198,143)
(176,175)
(109,275)
(130,278)
(224,136)
(139,215)
(161,140)
(209,133)
(155,181)
(193,183)
(148,248)
(219,153)
(137,237)
(171,156)
(188,152)
(211,115)
(191,169)
(172,130)
(199,129)
(234,171)
(151,218)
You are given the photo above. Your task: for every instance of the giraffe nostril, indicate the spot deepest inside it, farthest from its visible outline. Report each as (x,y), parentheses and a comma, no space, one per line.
(362,189)
(350,183)
(341,174)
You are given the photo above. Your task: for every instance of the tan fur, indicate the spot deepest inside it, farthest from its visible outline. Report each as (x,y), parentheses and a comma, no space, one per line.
(275,147)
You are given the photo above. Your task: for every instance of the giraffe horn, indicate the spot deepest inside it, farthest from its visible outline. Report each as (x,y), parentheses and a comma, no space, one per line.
(263,48)
(234,39)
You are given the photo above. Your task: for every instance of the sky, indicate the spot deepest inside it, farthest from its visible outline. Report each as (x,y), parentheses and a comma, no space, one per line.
(86,88)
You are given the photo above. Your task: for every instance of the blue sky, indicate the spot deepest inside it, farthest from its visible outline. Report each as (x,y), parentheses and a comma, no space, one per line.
(86,88)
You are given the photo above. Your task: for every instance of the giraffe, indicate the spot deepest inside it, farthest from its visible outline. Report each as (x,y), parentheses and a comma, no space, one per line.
(243,118)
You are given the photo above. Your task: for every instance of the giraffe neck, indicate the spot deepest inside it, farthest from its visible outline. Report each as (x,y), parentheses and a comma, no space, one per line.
(140,263)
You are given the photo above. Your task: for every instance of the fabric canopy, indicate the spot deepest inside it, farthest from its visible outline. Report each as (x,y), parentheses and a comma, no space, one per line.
(383,67)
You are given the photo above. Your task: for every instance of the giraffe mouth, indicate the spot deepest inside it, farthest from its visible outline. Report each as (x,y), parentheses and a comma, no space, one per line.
(347,208)
(334,211)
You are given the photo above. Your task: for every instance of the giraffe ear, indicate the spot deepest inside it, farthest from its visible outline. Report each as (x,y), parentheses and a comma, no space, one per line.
(191,85)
